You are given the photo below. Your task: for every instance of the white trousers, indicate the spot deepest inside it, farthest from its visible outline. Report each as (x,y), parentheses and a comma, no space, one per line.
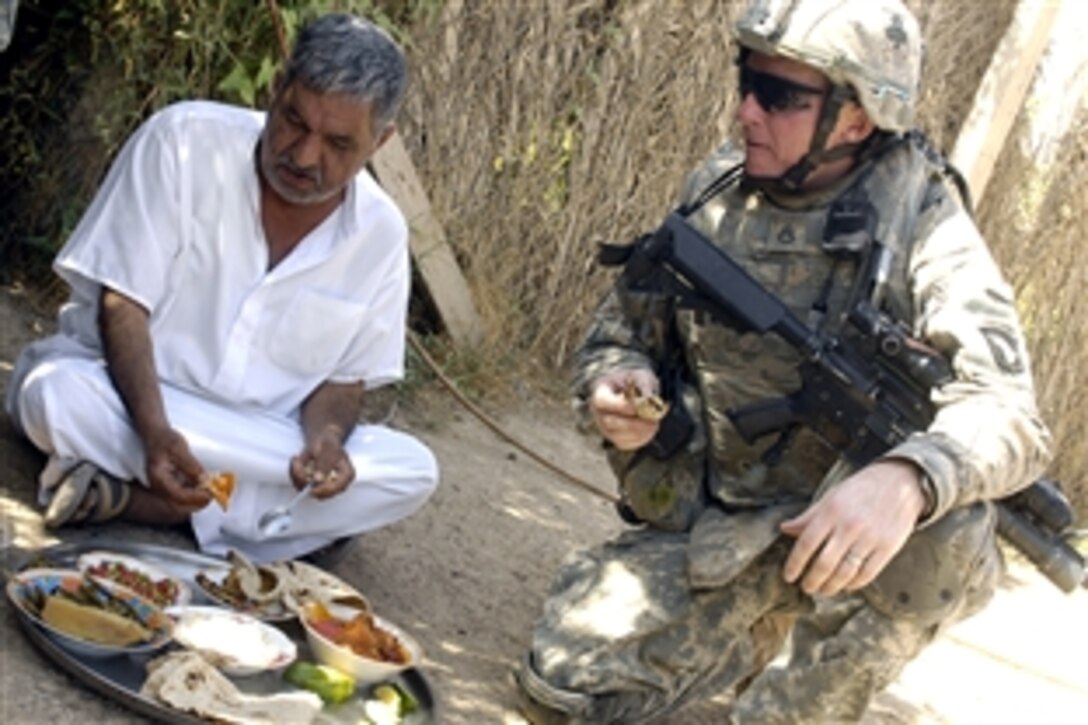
(69,409)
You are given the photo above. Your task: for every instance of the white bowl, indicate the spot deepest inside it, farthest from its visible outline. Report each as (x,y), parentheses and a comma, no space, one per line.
(364,669)
(93,559)
(24,586)
(236,643)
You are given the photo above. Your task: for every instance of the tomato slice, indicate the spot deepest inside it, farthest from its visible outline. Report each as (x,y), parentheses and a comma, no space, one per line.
(330,629)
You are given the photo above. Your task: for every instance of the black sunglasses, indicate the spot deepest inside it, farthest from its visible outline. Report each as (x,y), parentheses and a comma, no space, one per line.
(774,93)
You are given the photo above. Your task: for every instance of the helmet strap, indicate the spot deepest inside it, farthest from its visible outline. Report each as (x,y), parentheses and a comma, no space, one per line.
(834,99)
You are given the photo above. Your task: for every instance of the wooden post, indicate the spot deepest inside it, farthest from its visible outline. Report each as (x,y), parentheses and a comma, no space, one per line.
(433,256)
(1002,91)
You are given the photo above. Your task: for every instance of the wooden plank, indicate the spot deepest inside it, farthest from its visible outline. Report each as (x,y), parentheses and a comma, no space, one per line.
(432,254)
(1001,93)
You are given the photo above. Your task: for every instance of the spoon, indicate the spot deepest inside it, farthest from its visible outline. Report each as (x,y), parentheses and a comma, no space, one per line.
(278,520)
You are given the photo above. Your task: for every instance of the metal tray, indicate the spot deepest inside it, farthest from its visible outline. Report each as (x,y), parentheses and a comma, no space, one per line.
(120,678)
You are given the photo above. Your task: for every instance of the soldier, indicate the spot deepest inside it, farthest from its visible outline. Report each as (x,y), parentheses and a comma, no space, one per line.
(870,564)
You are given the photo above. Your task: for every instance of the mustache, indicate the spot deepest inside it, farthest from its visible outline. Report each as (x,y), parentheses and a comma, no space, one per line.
(311,173)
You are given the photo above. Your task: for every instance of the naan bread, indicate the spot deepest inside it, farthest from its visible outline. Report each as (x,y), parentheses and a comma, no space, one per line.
(647,407)
(185,681)
(305,583)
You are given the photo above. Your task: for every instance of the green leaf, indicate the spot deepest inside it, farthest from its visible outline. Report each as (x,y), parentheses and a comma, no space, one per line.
(238,81)
(266,73)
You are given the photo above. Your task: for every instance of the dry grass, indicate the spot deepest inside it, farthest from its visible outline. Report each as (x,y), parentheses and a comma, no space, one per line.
(542,127)
(572,122)
(1034,220)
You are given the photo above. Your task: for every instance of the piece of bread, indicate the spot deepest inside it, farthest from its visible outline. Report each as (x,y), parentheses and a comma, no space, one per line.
(92,624)
(187,682)
(647,407)
(221,487)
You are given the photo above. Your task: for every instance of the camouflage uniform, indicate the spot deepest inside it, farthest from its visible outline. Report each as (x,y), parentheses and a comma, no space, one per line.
(665,613)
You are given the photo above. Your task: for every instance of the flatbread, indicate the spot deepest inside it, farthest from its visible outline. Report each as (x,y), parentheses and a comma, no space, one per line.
(306,583)
(186,681)
(647,407)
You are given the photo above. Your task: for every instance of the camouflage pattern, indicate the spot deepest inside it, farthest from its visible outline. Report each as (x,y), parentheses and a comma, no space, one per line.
(669,494)
(874,46)
(944,285)
(637,626)
(624,639)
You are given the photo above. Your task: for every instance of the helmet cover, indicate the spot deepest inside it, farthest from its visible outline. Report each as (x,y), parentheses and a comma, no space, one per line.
(873,46)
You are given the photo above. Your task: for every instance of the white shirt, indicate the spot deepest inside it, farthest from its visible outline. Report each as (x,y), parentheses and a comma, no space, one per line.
(176,226)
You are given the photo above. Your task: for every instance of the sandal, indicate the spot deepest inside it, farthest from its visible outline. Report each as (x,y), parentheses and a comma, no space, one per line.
(69,494)
(113,497)
(87,494)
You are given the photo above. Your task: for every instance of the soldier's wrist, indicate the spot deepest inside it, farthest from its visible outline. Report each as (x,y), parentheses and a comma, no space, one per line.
(929,494)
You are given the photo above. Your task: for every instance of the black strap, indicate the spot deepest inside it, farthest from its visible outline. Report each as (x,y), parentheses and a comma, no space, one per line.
(725,179)
(834,99)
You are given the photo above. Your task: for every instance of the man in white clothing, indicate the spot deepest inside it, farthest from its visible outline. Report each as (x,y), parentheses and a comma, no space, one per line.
(237,284)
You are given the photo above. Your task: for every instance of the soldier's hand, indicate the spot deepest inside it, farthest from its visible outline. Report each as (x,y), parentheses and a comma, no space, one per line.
(615,414)
(847,537)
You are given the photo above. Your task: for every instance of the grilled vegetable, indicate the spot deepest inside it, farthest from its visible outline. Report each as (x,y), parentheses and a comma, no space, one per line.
(331,685)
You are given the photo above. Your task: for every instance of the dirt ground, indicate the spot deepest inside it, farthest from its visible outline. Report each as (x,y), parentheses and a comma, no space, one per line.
(467,575)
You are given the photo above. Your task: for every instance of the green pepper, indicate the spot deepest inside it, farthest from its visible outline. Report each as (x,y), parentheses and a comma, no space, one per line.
(331,685)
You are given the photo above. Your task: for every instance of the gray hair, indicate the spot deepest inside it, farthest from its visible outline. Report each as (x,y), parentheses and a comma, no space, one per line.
(342,53)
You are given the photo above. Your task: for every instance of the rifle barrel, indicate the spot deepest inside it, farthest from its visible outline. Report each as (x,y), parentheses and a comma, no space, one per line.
(1054,558)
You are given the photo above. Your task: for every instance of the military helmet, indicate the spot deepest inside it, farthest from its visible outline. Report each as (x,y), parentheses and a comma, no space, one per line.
(873,46)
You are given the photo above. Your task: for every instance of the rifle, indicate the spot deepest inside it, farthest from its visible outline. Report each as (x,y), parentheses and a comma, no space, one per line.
(861,395)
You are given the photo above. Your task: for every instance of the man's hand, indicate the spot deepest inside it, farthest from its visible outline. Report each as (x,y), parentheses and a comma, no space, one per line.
(846,538)
(325,462)
(329,415)
(172,471)
(615,415)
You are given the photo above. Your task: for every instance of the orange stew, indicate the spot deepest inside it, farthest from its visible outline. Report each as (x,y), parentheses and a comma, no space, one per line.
(360,633)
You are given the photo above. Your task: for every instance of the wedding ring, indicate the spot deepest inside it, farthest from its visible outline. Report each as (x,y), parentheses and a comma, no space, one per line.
(853,559)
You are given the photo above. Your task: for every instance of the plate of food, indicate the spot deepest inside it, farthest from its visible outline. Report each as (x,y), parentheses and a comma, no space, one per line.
(275,592)
(236,643)
(87,616)
(183,680)
(245,587)
(307,583)
(141,577)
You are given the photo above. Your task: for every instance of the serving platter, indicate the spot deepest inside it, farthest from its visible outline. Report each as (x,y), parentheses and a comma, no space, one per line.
(120,678)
